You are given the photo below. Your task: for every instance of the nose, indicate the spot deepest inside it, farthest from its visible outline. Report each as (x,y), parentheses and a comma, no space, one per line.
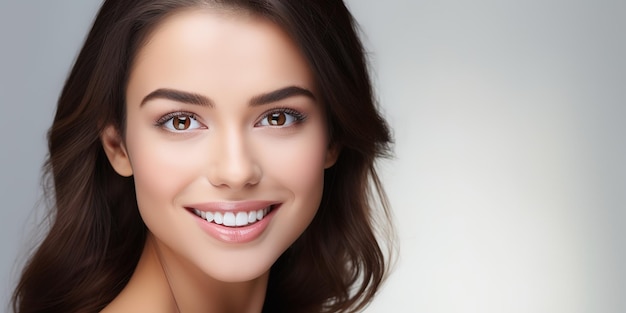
(233,164)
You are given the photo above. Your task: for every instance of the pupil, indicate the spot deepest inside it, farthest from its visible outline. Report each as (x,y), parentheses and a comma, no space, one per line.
(181,122)
(277,119)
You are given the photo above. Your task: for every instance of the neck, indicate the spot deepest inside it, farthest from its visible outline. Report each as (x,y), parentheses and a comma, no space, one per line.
(191,290)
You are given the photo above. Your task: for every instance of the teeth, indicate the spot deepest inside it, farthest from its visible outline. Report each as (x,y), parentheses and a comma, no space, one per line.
(242,219)
(252,217)
(229,219)
(217,218)
(233,219)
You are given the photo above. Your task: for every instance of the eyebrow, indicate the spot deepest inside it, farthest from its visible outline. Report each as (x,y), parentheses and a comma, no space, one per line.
(178,96)
(281,94)
(198,99)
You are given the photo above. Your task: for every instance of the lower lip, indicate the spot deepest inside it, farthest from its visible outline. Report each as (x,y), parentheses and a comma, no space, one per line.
(233,235)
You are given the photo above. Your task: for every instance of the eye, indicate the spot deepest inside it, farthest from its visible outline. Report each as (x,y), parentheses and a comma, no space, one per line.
(179,121)
(281,118)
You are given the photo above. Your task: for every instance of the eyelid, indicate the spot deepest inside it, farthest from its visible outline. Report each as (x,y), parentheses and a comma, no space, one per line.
(169,116)
(298,116)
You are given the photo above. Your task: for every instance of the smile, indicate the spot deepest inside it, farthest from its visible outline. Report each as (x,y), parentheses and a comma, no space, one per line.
(233,219)
(234,222)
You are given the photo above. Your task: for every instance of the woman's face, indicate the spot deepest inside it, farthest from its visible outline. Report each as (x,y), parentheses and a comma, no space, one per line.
(226,140)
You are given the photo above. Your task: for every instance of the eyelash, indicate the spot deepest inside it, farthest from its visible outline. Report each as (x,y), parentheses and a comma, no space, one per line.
(167,117)
(298,116)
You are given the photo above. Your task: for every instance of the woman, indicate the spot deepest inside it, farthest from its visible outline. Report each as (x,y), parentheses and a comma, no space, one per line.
(213,156)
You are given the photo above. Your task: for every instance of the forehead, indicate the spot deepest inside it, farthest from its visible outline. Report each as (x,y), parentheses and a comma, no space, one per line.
(218,52)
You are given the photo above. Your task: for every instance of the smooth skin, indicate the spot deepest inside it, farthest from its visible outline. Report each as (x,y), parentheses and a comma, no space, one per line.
(234,143)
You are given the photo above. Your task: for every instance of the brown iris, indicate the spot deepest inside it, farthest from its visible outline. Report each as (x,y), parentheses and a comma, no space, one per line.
(277,119)
(181,122)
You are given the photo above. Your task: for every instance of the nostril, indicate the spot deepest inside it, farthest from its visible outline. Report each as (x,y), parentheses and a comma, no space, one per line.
(235,174)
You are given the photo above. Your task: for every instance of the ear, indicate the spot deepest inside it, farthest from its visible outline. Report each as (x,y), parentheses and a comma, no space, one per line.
(331,155)
(115,151)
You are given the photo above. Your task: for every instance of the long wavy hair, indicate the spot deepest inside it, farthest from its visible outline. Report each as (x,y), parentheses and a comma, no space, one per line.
(96,235)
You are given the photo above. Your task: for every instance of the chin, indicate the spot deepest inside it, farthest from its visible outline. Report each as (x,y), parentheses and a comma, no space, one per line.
(238,274)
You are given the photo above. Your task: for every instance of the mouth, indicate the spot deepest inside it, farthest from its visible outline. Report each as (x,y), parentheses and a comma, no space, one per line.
(233,219)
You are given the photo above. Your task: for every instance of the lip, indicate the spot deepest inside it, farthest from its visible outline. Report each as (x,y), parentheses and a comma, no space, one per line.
(235,235)
(239,206)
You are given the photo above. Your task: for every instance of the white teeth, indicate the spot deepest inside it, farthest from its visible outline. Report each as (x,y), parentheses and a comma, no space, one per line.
(242,219)
(233,219)
(229,219)
(252,217)
(217,218)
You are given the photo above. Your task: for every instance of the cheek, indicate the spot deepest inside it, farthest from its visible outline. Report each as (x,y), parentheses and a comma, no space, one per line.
(296,168)
(297,165)
(161,170)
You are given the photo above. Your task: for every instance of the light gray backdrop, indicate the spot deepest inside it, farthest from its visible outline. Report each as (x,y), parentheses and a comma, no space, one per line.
(509,182)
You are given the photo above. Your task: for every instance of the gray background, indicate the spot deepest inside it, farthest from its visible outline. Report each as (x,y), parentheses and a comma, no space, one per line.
(509,182)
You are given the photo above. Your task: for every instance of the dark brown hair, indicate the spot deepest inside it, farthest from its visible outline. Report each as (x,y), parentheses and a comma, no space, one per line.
(97,235)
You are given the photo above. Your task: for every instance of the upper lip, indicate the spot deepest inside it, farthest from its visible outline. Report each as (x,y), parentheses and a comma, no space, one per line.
(236,206)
